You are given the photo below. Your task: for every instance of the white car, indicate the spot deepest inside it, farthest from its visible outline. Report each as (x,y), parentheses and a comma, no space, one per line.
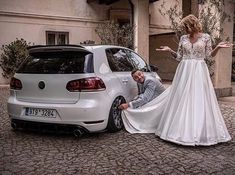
(74,88)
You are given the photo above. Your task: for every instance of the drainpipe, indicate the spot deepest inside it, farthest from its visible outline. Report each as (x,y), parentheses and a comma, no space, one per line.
(132,13)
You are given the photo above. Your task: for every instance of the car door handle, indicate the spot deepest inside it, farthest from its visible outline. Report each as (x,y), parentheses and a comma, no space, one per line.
(124,80)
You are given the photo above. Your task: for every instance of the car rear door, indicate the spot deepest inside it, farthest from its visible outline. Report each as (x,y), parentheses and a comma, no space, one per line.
(121,67)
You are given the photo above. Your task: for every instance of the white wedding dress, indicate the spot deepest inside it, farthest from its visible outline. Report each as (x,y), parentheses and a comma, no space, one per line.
(187,112)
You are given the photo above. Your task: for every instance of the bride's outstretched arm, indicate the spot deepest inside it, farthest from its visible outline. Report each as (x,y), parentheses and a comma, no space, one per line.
(167,49)
(176,55)
(220,45)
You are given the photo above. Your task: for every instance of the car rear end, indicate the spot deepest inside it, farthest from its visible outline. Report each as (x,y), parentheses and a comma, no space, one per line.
(57,86)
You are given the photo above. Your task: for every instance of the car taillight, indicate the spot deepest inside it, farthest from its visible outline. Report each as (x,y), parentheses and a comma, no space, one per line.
(85,84)
(15,84)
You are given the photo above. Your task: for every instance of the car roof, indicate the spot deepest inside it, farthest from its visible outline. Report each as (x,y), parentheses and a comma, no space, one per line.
(55,48)
(98,46)
(69,47)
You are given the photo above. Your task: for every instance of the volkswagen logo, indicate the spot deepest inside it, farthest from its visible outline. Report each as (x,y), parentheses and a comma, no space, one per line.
(41,85)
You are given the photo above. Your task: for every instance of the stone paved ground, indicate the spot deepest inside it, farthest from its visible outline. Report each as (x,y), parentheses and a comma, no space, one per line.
(109,153)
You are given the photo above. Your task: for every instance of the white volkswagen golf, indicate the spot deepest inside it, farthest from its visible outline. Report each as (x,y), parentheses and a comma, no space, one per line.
(74,88)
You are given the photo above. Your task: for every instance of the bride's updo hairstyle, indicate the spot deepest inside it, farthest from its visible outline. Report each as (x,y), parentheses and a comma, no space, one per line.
(191,24)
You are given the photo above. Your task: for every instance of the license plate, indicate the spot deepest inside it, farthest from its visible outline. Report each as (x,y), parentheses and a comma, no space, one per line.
(40,112)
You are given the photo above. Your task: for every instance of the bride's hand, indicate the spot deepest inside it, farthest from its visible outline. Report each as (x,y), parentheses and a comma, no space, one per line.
(224,45)
(164,48)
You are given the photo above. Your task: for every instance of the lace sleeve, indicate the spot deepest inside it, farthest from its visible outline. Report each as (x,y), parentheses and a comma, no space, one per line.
(208,48)
(180,50)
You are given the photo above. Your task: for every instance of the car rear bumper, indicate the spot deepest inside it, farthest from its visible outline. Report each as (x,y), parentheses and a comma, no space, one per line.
(47,127)
(89,114)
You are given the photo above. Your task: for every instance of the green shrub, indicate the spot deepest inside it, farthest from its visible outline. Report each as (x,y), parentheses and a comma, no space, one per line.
(12,57)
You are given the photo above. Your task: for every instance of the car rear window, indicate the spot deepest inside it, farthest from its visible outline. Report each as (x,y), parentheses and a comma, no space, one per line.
(66,62)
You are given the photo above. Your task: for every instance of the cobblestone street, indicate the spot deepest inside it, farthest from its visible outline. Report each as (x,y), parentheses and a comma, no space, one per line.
(25,152)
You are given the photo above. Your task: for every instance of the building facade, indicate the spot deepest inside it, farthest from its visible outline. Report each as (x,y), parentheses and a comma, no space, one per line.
(74,22)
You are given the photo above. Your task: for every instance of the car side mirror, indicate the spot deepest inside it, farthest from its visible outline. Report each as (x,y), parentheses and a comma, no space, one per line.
(153,68)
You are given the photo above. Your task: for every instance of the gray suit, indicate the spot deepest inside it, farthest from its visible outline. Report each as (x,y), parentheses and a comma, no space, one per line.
(150,89)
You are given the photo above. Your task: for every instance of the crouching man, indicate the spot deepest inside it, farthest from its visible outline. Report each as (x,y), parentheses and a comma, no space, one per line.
(148,87)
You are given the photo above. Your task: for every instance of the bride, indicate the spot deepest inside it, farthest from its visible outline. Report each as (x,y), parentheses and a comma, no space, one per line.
(187,112)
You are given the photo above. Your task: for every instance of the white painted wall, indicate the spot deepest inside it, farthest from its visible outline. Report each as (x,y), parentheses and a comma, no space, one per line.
(30,19)
(70,8)
(158,23)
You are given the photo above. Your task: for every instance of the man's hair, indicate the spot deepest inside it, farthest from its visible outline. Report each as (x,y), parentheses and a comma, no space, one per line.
(134,71)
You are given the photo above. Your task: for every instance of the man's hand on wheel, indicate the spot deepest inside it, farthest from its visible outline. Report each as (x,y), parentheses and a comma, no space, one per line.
(123,106)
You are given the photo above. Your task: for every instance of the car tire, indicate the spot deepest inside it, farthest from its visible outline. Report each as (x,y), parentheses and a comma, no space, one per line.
(14,126)
(115,122)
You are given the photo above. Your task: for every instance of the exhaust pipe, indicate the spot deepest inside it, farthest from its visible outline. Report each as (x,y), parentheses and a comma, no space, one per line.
(78,132)
(14,125)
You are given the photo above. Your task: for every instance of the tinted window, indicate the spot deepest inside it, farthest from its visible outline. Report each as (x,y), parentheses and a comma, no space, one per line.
(137,61)
(67,62)
(118,60)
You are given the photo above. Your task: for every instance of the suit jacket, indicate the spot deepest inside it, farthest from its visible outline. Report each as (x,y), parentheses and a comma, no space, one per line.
(150,89)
